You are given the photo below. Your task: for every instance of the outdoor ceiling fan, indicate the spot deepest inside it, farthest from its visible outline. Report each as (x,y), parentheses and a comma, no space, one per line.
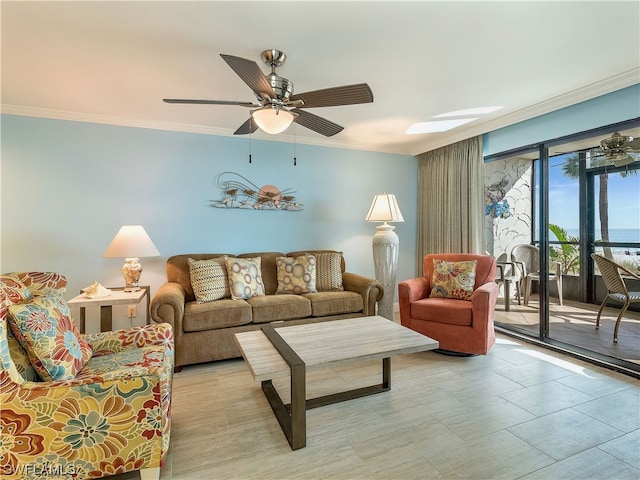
(277,106)
(617,148)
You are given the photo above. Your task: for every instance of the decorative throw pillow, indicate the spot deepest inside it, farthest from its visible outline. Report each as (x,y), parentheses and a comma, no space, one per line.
(453,279)
(296,274)
(209,279)
(329,272)
(245,277)
(45,330)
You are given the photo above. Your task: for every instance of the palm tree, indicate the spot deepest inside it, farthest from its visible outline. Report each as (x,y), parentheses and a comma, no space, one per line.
(571,169)
(567,253)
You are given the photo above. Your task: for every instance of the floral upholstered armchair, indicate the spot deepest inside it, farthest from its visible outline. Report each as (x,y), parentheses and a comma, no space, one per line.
(78,406)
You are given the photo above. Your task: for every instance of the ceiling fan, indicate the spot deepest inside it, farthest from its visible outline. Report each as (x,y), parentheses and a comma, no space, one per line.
(277,106)
(617,148)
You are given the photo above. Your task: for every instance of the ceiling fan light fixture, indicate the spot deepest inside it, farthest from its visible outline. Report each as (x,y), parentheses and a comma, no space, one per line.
(272,120)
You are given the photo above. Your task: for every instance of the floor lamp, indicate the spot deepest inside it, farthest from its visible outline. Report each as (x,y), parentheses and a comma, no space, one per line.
(385,248)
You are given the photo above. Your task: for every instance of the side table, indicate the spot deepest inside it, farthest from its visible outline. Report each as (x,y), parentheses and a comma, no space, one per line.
(118,297)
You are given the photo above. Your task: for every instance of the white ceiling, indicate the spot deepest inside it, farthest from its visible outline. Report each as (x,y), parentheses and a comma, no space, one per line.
(113,62)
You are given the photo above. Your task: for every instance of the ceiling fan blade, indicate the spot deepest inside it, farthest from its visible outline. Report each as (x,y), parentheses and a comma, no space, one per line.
(209,102)
(635,144)
(250,73)
(336,96)
(622,160)
(316,123)
(247,127)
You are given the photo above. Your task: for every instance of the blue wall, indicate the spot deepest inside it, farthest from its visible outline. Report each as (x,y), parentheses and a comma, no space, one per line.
(67,187)
(604,110)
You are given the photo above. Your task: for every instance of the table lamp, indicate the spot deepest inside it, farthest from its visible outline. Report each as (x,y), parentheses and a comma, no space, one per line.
(385,248)
(131,242)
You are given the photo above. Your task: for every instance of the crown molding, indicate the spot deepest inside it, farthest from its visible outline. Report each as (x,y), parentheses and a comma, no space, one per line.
(588,92)
(52,114)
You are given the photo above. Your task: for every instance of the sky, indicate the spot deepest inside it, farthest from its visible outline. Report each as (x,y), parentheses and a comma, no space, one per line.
(623,194)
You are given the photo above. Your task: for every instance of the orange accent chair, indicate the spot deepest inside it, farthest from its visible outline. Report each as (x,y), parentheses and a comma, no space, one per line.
(460,326)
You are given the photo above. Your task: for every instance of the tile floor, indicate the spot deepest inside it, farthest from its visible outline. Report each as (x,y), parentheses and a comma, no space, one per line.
(521,412)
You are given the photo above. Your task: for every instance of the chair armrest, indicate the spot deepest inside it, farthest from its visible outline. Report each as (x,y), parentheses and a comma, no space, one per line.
(414,289)
(370,289)
(557,267)
(410,291)
(105,343)
(483,300)
(506,272)
(167,306)
(521,267)
(500,271)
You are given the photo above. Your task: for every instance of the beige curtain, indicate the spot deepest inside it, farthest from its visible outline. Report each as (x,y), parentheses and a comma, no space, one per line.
(450,200)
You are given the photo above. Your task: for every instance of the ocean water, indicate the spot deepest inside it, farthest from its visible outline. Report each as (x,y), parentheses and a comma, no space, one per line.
(623,235)
(624,255)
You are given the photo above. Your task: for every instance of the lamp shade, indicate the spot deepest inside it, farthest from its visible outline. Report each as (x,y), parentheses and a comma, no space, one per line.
(272,120)
(131,241)
(384,208)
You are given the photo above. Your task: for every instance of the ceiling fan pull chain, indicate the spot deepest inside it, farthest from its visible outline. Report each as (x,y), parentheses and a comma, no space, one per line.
(250,138)
(294,145)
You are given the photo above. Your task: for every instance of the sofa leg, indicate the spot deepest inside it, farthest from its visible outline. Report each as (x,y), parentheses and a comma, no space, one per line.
(150,473)
(177,369)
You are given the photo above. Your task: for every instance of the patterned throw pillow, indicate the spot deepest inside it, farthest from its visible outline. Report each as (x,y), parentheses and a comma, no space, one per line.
(453,279)
(245,277)
(45,330)
(13,291)
(209,279)
(329,272)
(296,274)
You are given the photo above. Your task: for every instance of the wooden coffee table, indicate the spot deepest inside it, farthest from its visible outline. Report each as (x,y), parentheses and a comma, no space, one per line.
(291,351)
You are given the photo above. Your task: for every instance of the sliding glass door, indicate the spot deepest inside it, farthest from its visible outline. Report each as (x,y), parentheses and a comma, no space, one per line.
(567,200)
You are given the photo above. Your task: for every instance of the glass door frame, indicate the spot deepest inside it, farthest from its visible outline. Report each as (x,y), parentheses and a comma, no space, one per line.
(587,233)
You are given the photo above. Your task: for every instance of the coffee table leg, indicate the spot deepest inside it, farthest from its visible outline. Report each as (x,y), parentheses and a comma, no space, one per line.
(293,417)
(298,407)
(386,374)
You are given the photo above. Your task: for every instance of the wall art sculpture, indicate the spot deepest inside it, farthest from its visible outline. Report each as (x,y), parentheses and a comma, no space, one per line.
(239,192)
(494,202)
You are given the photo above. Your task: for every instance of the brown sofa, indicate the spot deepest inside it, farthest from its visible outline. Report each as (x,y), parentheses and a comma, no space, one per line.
(204,332)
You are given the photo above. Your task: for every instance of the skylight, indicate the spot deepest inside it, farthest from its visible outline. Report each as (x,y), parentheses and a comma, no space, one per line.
(437,126)
(469,111)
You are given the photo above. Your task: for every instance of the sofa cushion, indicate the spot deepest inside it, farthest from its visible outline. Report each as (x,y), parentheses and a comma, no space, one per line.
(219,314)
(443,310)
(45,330)
(271,308)
(296,274)
(329,272)
(334,303)
(209,279)
(453,279)
(245,277)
